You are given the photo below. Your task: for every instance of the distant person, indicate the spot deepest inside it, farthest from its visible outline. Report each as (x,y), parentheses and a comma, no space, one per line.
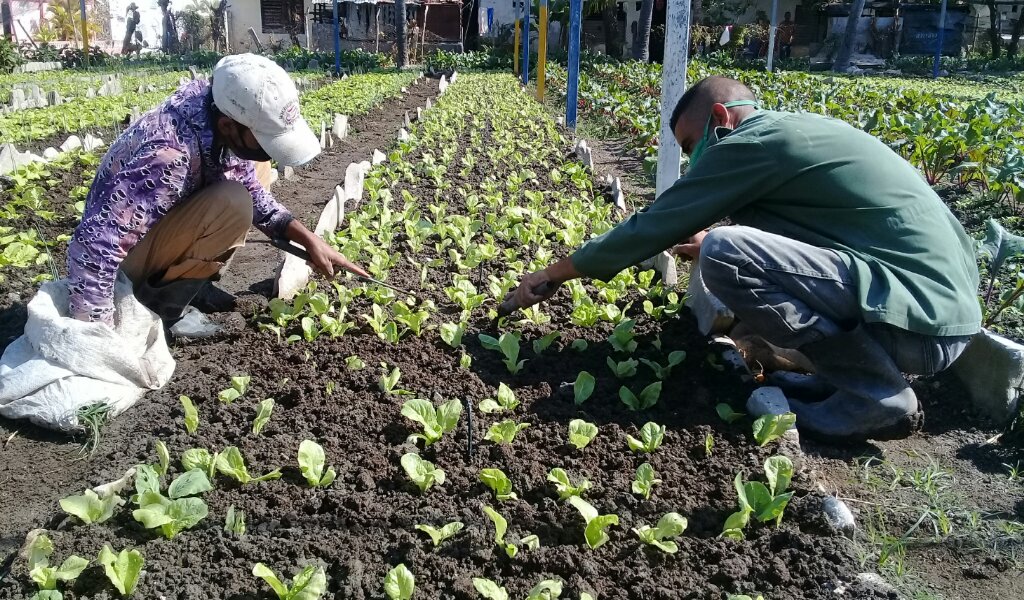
(131,31)
(787,31)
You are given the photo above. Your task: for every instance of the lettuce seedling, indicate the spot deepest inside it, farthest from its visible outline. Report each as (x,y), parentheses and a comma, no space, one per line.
(583,387)
(727,414)
(311,464)
(90,507)
(234,521)
(239,385)
(709,444)
(262,416)
(506,401)
(354,363)
(624,369)
(421,472)
(399,583)
(308,584)
(500,528)
(163,458)
(199,458)
(414,320)
(508,345)
(579,345)
(45,576)
(622,337)
(504,432)
(651,436)
(564,486)
(451,333)
(542,344)
(439,535)
(662,373)
(191,414)
(499,483)
(389,380)
(764,503)
(489,590)
(594,533)
(549,589)
(581,433)
(435,421)
(230,462)
(772,427)
(171,516)
(743,597)
(122,569)
(669,526)
(645,481)
(648,396)
(464,293)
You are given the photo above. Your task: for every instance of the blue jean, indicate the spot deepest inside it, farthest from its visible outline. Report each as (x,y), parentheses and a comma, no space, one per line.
(793,294)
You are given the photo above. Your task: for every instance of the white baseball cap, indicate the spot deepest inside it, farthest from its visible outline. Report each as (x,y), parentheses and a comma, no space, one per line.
(259,94)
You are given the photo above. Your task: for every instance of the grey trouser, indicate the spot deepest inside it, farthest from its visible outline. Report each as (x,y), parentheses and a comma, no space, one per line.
(792,294)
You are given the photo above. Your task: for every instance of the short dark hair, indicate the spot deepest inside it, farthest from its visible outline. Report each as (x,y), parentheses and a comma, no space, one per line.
(707,92)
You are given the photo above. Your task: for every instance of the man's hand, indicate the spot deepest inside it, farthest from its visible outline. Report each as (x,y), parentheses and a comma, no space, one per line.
(322,257)
(691,247)
(555,275)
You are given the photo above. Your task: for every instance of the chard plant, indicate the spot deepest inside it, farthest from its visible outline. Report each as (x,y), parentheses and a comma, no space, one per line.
(239,385)
(435,421)
(648,396)
(234,521)
(622,369)
(438,535)
(311,464)
(583,387)
(651,437)
(399,583)
(727,414)
(543,343)
(769,428)
(645,480)
(581,433)
(489,590)
(663,372)
(421,472)
(263,413)
(45,576)
(504,432)
(229,462)
(763,502)
(308,584)
(191,414)
(660,536)
(499,483)
(90,507)
(564,486)
(506,401)
(122,569)
(622,337)
(595,532)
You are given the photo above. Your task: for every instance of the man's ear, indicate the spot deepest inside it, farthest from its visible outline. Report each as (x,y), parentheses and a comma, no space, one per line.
(721,115)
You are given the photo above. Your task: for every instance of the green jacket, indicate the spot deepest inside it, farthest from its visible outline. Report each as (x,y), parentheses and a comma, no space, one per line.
(822,182)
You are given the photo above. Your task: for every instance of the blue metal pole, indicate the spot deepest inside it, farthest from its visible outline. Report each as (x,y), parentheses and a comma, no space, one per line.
(939,41)
(526,42)
(573,83)
(337,42)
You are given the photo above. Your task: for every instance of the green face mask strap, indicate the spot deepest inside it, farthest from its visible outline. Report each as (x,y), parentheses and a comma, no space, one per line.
(699,148)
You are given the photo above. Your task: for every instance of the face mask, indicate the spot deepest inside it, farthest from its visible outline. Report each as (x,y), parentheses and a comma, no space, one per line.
(702,144)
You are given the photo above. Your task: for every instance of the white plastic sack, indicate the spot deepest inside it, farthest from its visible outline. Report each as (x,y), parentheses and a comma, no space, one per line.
(725,36)
(62,364)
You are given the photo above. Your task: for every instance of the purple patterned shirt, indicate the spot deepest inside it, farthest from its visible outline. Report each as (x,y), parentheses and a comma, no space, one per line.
(156,164)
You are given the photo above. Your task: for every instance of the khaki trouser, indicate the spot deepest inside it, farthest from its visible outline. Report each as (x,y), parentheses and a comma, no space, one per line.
(197,238)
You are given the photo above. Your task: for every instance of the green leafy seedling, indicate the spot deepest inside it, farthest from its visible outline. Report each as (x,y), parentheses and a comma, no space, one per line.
(645,480)
(45,576)
(262,416)
(435,421)
(239,385)
(624,369)
(772,427)
(763,502)
(500,529)
(669,526)
(651,437)
(489,590)
(542,344)
(622,337)
(727,414)
(499,483)
(229,462)
(564,486)
(451,333)
(648,396)
(597,524)
(508,345)
(581,433)
(308,584)
(90,507)
(549,589)
(504,432)
(583,387)
(122,569)
(163,457)
(663,372)
(311,463)
(234,522)
(191,414)
(354,363)
(421,472)
(439,535)
(389,380)
(506,401)
(199,458)
(399,583)
(579,345)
